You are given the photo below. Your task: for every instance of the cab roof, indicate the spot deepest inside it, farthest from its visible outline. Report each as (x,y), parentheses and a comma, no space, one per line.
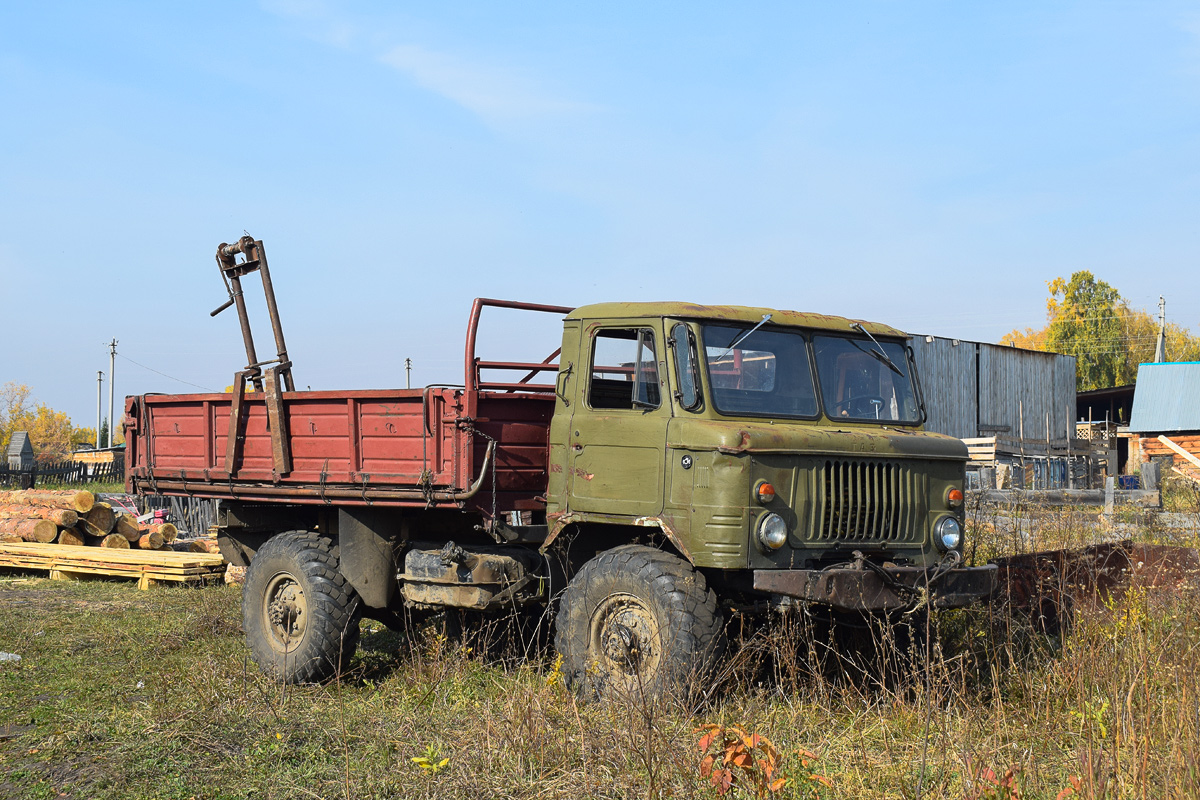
(746,314)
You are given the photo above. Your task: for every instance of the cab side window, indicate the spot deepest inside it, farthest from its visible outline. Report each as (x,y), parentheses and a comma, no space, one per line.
(685,366)
(624,372)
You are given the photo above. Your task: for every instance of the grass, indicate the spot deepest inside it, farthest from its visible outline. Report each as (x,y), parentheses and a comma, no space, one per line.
(129,694)
(112,487)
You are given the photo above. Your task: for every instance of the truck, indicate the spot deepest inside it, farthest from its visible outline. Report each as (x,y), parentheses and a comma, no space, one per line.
(667,466)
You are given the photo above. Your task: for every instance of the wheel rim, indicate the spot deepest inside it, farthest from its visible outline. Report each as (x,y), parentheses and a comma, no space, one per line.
(285,611)
(623,637)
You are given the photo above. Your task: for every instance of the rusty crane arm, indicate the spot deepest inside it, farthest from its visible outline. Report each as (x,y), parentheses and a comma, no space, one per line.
(277,378)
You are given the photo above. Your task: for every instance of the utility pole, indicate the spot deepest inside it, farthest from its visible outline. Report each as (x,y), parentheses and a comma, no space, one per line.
(408,373)
(112,382)
(99,392)
(1160,349)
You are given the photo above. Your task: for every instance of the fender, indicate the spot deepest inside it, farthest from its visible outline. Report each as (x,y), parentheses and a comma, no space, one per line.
(367,554)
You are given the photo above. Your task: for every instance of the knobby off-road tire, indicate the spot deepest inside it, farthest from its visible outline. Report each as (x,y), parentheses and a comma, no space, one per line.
(639,623)
(300,615)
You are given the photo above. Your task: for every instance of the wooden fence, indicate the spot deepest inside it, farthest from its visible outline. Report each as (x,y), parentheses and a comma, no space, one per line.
(63,473)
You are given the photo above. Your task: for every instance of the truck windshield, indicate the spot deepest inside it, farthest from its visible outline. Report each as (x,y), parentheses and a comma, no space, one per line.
(857,384)
(769,374)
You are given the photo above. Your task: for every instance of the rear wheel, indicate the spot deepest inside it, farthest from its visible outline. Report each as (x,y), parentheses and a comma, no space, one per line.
(638,621)
(299,613)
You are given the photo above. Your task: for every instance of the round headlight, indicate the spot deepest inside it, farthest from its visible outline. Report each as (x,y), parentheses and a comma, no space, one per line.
(772,531)
(947,533)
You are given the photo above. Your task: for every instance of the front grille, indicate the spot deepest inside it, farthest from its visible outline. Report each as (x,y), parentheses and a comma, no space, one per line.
(868,501)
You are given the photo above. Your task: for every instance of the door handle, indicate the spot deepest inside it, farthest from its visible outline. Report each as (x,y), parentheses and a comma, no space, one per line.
(560,380)
(577,447)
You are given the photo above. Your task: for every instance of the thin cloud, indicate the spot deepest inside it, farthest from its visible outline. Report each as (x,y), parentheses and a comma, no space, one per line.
(493,94)
(322,23)
(1190,24)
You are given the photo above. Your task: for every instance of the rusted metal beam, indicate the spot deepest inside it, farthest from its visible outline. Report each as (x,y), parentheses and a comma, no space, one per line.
(853,589)
(281,451)
(233,441)
(232,271)
(471,379)
(1047,586)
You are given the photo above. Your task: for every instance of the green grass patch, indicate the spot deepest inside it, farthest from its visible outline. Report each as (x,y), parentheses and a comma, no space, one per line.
(131,694)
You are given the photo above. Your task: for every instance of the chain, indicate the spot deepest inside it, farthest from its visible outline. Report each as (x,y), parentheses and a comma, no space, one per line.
(470,427)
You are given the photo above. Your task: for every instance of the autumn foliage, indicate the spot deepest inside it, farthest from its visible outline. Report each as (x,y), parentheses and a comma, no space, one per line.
(733,759)
(50,431)
(1087,318)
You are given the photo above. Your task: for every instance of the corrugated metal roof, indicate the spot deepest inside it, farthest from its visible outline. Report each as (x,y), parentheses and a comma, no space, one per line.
(1167,398)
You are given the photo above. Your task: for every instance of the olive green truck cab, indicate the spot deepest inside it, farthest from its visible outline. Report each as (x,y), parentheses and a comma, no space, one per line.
(686,463)
(779,452)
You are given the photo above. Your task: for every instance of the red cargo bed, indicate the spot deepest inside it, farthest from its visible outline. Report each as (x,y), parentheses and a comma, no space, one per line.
(403,447)
(435,446)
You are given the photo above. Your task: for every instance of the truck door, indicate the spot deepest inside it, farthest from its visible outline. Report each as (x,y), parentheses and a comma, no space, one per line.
(618,430)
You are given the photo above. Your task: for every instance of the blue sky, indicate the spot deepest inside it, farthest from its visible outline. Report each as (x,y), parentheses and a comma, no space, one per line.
(930,165)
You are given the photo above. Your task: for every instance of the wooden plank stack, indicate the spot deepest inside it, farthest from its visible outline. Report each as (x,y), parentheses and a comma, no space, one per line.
(76,518)
(148,567)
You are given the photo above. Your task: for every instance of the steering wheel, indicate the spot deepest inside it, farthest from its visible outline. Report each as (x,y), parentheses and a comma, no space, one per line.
(864,405)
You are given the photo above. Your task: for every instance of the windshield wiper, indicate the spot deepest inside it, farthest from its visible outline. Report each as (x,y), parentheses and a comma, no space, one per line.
(744,336)
(878,354)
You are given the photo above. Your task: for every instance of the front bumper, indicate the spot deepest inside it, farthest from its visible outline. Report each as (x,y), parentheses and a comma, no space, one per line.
(851,589)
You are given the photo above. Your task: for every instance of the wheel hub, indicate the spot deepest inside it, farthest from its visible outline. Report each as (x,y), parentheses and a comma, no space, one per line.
(286,609)
(624,635)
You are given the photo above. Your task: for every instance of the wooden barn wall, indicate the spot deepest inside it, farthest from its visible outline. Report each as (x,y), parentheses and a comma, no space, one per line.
(1012,383)
(947,371)
(1021,384)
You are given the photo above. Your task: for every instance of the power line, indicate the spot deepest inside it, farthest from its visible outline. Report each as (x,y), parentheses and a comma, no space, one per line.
(165,375)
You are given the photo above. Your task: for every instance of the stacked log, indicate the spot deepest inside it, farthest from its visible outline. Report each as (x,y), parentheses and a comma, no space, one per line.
(31,530)
(99,521)
(62,517)
(204,546)
(150,541)
(81,501)
(72,537)
(165,529)
(75,518)
(127,526)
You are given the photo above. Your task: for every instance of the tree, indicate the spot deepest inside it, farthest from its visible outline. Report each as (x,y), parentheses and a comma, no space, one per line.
(50,431)
(1087,318)
(83,436)
(1085,322)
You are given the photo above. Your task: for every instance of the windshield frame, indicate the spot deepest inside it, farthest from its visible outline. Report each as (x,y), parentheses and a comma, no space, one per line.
(877,350)
(808,336)
(702,346)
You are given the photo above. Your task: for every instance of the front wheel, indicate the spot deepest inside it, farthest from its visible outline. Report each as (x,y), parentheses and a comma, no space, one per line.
(638,621)
(299,613)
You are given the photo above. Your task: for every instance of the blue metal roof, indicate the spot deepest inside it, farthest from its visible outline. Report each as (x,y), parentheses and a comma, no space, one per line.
(1166,398)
